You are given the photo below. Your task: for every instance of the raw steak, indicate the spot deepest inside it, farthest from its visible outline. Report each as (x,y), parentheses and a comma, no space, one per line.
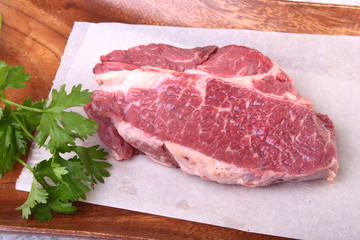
(228,114)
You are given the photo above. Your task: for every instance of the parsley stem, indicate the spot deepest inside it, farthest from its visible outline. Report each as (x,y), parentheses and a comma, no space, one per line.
(25,165)
(20,106)
(23,126)
(37,177)
(2,95)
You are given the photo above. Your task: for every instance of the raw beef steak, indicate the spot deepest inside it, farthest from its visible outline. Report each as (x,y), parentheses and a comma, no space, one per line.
(228,114)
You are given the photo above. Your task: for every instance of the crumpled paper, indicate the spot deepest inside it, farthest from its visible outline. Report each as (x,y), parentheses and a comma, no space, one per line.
(325,69)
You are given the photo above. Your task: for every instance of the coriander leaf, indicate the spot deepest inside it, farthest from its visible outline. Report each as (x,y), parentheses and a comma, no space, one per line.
(60,138)
(75,177)
(58,188)
(52,169)
(12,77)
(54,203)
(62,181)
(31,118)
(45,169)
(72,125)
(4,69)
(65,186)
(58,170)
(66,176)
(61,207)
(75,122)
(69,190)
(61,191)
(12,141)
(62,101)
(95,169)
(37,195)
(43,211)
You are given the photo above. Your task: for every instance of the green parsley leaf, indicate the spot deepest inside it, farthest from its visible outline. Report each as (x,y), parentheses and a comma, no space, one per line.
(59,170)
(76,177)
(12,141)
(76,123)
(60,138)
(95,169)
(50,169)
(31,118)
(67,177)
(65,188)
(61,191)
(37,195)
(12,77)
(43,210)
(62,101)
(46,168)
(57,182)
(72,125)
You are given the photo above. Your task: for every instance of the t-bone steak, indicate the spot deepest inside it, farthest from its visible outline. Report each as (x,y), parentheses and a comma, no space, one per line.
(228,115)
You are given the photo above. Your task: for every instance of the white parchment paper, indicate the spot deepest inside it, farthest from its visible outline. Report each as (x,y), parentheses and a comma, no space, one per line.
(325,69)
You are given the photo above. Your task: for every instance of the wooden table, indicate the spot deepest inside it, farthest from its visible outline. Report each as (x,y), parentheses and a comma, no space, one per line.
(34,34)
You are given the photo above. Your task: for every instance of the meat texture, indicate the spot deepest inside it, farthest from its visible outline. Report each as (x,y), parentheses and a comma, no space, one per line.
(228,114)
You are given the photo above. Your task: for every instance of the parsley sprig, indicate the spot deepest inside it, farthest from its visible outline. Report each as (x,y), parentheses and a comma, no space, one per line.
(58,181)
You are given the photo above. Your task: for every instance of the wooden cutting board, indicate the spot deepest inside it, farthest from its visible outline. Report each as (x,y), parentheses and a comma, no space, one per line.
(34,34)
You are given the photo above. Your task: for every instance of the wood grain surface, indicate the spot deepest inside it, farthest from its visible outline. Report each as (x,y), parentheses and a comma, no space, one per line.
(34,34)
